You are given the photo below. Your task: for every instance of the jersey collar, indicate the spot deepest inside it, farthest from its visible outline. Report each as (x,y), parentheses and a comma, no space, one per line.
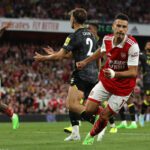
(121,44)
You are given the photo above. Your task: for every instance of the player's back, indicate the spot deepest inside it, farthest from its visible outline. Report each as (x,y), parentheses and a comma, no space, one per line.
(85,45)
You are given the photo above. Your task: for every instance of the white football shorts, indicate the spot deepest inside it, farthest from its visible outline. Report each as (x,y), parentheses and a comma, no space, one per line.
(99,94)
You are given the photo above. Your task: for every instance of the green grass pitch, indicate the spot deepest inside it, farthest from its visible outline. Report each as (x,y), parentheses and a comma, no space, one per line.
(50,136)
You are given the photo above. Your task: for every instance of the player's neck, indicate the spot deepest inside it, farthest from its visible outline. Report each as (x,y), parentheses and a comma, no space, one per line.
(117,41)
(78,26)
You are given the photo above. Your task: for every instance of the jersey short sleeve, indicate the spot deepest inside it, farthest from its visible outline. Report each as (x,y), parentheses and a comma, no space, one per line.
(69,43)
(133,58)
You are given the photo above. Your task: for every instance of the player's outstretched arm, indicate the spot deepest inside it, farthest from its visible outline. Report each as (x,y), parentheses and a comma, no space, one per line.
(55,56)
(89,59)
(4,27)
(49,50)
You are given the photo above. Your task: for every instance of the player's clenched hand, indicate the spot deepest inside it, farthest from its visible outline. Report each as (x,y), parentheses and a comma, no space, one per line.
(49,50)
(109,73)
(80,65)
(39,57)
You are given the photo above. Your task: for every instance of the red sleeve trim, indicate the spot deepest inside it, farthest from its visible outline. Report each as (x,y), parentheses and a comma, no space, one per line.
(93,100)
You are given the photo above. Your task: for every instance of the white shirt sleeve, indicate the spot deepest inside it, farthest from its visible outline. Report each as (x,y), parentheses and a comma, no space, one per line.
(103,48)
(133,57)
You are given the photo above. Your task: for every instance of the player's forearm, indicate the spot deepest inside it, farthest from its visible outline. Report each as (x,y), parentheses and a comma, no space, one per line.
(126,74)
(57,56)
(93,57)
(53,57)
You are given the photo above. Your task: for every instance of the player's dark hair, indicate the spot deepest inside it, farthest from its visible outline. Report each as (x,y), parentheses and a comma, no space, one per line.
(94,24)
(122,17)
(146,44)
(80,15)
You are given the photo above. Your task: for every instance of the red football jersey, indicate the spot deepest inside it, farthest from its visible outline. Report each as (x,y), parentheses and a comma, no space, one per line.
(117,60)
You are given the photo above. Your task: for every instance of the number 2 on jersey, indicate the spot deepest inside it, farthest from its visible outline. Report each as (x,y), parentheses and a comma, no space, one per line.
(90,43)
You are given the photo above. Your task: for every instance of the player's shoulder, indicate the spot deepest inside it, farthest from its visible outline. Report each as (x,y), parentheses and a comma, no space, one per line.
(131,40)
(83,33)
(71,35)
(108,37)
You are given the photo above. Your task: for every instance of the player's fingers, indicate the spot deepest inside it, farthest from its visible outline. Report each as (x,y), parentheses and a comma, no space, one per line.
(37,58)
(106,73)
(49,47)
(80,66)
(48,51)
(37,54)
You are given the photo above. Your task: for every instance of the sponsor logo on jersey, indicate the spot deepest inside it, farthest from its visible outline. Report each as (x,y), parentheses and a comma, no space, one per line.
(117,64)
(67,41)
(135,54)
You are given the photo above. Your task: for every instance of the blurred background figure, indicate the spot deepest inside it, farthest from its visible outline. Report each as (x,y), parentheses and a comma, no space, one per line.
(145,66)
(4,107)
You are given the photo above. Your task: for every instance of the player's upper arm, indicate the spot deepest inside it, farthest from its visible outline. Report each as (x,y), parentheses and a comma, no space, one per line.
(69,43)
(133,55)
(60,54)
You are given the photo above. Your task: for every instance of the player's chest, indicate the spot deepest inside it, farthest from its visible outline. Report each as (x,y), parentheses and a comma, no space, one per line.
(117,54)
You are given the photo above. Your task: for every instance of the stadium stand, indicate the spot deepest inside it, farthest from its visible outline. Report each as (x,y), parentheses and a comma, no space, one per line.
(55,9)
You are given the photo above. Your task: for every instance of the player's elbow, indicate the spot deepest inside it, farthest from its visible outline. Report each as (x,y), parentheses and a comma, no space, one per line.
(58,57)
(134,74)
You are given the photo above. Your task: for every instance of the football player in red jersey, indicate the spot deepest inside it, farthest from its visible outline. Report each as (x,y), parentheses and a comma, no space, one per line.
(118,76)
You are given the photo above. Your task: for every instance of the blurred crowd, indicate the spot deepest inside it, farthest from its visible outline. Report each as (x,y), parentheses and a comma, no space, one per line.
(29,86)
(101,10)
(33,87)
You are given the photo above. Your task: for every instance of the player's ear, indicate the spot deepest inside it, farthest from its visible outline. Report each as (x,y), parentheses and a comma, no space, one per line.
(74,20)
(113,25)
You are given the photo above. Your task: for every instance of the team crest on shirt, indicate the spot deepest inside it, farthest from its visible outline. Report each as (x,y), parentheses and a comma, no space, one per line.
(123,55)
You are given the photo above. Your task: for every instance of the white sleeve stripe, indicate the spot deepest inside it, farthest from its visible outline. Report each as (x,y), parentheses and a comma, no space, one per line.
(131,42)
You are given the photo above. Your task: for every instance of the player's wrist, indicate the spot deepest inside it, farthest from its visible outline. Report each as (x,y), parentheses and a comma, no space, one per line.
(86,61)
